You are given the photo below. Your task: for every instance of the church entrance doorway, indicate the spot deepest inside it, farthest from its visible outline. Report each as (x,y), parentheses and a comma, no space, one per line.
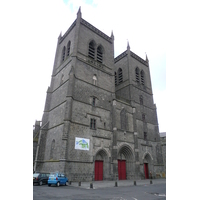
(146,171)
(98,170)
(122,169)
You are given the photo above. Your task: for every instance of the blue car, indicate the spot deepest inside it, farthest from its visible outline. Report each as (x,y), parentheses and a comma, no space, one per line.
(57,179)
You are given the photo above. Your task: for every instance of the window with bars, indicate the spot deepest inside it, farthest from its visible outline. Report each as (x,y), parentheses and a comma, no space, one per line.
(142,77)
(120,75)
(137,75)
(91,52)
(68,48)
(63,53)
(145,135)
(141,100)
(99,54)
(93,123)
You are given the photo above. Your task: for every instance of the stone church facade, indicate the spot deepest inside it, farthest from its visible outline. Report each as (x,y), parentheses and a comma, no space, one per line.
(99,121)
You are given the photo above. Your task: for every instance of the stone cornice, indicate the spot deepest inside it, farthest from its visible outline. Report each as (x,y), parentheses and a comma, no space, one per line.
(97,31)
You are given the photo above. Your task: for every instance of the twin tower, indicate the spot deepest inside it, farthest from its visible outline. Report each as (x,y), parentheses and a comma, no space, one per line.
(99,121)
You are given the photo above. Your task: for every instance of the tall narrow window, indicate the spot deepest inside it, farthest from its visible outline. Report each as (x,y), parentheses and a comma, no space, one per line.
(115,78)
(91,51)
(63,53)
(141,100)
(145,135)
(142,77)
(99,54)
(120,75)
(137,75)
(93,101)
(68,48)
(93,123)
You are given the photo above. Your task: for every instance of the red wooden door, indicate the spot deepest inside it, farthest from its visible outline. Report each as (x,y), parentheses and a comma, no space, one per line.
(98,170)
(146,171)
(122,169)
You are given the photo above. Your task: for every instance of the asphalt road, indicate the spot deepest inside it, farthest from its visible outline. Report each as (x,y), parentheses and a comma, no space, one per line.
(141,192)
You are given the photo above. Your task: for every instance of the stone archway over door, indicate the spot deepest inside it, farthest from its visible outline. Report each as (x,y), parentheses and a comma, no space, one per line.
(125,163)
(101,166)
(148,164)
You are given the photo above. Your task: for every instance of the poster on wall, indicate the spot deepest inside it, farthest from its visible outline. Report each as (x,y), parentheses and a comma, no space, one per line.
(82,143)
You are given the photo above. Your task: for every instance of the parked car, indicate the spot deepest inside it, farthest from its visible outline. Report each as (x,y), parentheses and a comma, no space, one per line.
(40,178)
(57,179)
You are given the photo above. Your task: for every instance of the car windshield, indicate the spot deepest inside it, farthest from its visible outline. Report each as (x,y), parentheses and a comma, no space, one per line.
(53,175)
(35,175)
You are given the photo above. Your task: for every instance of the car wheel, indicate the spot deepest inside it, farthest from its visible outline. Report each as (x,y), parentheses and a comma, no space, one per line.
(49,185)
(58,184)
(40,183)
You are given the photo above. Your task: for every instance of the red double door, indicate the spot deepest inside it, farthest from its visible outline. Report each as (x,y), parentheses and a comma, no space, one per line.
(146,171)
(122,169)
(98,170)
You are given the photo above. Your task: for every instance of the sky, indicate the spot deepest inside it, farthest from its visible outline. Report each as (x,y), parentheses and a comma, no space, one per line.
(136,22)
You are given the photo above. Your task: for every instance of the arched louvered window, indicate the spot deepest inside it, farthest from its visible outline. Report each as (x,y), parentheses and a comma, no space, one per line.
(100,54)
(115,78)
(91,50)
(120,76)
(137,75)
(63,53)
(142,77)
(68,48)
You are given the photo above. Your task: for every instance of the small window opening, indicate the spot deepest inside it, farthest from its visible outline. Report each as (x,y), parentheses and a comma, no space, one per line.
(93,101)
(145,135)
(141,100)
(93,123)
(95,80)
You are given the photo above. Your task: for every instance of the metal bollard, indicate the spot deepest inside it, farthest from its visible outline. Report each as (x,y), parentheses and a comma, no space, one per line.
(91,185)
(70,182)
(116,184)
(134,182)
(79,183)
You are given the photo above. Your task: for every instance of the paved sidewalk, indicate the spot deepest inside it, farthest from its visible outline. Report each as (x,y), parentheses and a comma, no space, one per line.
(121,183)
